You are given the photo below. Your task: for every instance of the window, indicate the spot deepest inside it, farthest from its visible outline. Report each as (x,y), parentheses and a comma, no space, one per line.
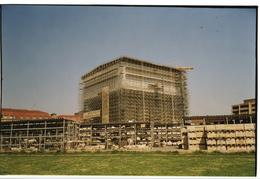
(235,107)
(244,106)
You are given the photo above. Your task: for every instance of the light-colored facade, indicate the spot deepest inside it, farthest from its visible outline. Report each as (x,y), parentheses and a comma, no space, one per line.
(248,107)
(75,118)
(131,90)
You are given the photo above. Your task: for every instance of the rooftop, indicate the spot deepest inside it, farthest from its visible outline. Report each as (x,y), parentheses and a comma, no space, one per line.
(130,60)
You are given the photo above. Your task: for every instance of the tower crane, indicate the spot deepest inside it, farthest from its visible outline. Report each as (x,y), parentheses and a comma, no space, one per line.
(176,65)
(186,68)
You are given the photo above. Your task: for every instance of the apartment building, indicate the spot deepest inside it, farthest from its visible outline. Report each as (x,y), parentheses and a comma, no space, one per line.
(248,107)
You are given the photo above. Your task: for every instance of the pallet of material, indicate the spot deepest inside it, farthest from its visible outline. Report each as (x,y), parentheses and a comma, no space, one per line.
(184,130)
(221,134)
(240,142)
(240,134)
(190,128)
(235,126)
(211,142)
(193,141)
(211,134)
(221,147)
(192,135)
(210,128)
(201,134)
(230,134)
(249,126)
(250,141)
(149,138)
(231,148)
(199,128)
(193,147)
(250,133)
(211,147)
(241,148)
(221,142)
(250,147)
(230,141)
(220,127)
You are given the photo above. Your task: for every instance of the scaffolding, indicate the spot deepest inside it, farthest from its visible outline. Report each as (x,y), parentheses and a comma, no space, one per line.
(130,135)
(65,135)
(37,135)
(138,91)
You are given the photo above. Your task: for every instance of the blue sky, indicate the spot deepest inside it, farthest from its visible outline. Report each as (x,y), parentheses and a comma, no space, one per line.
(46,49)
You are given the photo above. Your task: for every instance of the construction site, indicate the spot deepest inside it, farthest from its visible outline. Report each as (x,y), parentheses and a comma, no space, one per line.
(130,104)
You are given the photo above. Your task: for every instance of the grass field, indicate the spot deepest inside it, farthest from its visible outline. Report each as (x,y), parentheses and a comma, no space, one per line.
(129,164)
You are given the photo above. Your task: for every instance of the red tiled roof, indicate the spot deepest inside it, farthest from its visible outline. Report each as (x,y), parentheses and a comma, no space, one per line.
(25,113)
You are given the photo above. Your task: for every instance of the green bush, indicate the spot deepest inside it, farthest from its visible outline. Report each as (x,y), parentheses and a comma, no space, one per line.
(60,152)
(216,152)
(23,152)
(174,152)
(199,152)
(97,152)
(241,153)
(158,152)
(114,152)
(252,152)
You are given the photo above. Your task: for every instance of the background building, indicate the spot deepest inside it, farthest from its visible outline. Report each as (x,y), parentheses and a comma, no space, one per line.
(248,107)
(74,118)
(219,119)
(131,90)
(10,114)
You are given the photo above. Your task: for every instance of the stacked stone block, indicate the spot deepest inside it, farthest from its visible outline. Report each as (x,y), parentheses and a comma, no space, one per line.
(194,138)
(225,137)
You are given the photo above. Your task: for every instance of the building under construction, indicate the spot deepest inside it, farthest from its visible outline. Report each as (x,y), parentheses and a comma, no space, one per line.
(131,90)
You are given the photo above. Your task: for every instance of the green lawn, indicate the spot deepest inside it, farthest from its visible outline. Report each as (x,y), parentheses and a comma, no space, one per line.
(129,164)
